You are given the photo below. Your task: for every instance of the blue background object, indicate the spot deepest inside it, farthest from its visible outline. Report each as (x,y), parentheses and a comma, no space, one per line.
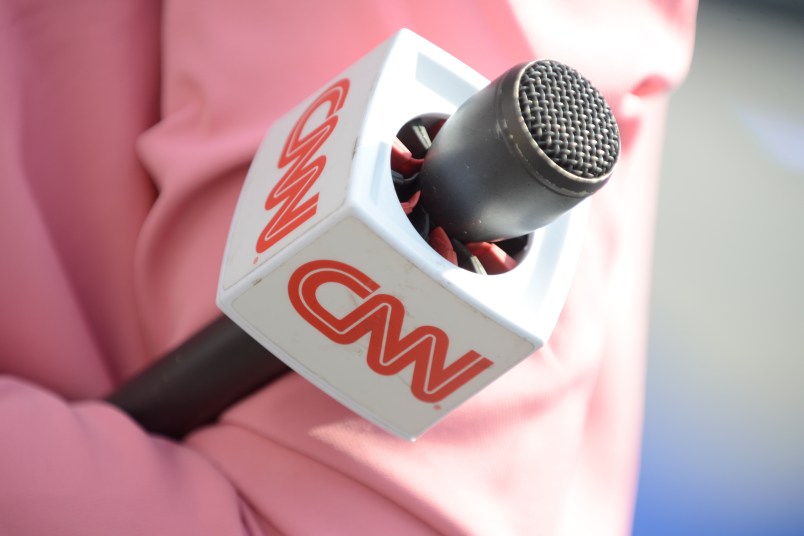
(723,448)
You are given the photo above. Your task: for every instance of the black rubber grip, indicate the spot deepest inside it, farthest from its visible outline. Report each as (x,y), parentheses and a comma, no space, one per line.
(193,384)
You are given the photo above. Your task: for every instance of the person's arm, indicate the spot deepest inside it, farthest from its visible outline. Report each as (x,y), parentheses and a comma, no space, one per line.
(86,469)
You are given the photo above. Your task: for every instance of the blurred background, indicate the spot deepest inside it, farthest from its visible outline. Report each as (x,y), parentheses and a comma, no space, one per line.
(723,450)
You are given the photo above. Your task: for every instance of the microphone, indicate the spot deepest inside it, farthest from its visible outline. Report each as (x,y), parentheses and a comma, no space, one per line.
(361,250)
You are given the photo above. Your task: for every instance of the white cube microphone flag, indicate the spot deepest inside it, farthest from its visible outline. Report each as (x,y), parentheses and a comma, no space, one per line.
(403,238)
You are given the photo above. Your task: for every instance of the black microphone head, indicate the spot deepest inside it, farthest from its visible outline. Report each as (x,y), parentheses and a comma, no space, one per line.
(568,119)
(519,153)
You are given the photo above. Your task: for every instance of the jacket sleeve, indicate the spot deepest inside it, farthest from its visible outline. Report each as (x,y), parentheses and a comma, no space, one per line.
(86,469)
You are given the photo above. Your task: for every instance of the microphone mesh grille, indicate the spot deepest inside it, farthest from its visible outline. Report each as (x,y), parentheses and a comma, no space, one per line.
(568,119)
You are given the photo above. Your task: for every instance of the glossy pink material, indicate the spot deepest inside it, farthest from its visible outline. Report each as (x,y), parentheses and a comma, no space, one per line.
(126,132)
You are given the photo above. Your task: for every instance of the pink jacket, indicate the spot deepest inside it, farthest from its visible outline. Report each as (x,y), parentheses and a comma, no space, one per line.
(126,129)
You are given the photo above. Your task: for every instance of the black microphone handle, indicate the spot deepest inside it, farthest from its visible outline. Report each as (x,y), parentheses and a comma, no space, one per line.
(194,383)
